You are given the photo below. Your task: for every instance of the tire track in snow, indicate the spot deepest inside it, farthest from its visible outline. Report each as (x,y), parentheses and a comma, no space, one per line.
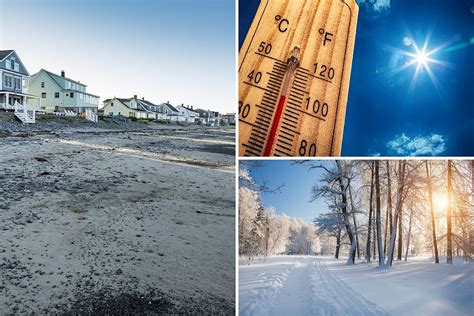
(305,287)
(261,299)
(332,296)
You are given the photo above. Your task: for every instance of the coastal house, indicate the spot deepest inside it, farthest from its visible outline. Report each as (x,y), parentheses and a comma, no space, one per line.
(229,118)
(59,93)
(208,117)
(187,113)
(14,82)
(132,107)
(171,113)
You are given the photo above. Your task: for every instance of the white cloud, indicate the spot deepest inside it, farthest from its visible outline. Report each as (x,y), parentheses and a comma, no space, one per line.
(430,145)
(375,8)
(382,5)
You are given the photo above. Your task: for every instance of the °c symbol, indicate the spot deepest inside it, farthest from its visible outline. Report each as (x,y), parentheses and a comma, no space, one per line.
(283,25)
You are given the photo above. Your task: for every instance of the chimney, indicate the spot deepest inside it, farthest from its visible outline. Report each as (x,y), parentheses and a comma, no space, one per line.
(63,74)
(135,96)
(191,107)
(143,98)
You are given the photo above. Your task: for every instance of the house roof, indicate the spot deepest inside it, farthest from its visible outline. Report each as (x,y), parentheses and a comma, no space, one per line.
(141,107)
(5,53)
(172,108)
(187,108)
(57,78)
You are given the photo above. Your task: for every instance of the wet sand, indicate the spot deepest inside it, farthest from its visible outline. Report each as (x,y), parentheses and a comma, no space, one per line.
(120,221)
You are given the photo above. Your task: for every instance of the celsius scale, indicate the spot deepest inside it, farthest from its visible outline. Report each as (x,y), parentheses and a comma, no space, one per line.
(294,71)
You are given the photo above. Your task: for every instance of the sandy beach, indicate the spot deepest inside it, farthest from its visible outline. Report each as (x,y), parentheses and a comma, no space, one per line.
(120,218)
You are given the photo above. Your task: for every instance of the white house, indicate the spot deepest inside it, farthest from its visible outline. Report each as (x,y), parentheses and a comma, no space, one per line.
(171,113)
(187,113)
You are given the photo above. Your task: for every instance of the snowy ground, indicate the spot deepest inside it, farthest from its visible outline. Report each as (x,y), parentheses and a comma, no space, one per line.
(301,285)
(98,221)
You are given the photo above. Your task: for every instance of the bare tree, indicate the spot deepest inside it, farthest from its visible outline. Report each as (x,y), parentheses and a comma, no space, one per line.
(430,197)
(377,216)
(369,225)
(449,246)
(402,190)
(338,181)
(353,210)
(388,216)
(400,233)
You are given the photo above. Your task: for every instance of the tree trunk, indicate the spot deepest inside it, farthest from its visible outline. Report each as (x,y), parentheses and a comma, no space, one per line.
(433,225)
(267,236)
(377,220)
(374,236)
(388,218)
(350,234)
(400,234)
(409,233)
(338,244)
(355,223)
(449,246)
(369,225)
(398,206)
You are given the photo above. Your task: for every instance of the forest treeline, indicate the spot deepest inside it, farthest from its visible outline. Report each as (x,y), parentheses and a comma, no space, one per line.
(376,210)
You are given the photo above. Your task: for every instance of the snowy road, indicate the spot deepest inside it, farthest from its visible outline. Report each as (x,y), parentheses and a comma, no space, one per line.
(298,285)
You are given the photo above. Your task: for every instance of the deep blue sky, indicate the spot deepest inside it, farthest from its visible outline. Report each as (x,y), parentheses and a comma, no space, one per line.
(294,198)
(182,51)
(384,116)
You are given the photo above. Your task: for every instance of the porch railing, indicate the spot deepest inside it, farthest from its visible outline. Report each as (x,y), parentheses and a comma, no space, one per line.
(91,116)
(24,113)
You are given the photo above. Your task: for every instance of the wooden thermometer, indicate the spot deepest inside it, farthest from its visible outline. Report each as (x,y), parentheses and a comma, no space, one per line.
(294,71)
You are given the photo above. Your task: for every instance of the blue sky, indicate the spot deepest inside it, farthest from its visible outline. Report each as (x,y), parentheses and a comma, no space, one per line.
(294,198)
(386,114)
(182,51)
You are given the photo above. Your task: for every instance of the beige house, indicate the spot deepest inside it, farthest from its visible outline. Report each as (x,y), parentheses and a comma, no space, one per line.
(132,107)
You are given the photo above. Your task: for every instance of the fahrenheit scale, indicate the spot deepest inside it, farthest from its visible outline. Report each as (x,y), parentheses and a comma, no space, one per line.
(294,74)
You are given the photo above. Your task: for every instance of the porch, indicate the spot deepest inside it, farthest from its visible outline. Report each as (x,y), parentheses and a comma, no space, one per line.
(8,99)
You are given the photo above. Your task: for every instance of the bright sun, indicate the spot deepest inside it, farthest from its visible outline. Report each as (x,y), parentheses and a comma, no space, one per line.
(440,202)
(422,58)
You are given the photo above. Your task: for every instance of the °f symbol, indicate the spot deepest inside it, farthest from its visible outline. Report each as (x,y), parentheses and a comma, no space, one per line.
(327,36)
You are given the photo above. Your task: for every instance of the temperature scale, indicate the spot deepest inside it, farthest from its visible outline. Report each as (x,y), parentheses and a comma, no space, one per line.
(294,71)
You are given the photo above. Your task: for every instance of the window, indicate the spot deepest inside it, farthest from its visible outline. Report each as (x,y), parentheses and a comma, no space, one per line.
(81,96)
(56,95)
(111,113)
(131,114)
(111,104)
(17,83)
(43,95)
(119,113)
(17,67)
(71,95)
(42,84)
(8,64)
(8,82)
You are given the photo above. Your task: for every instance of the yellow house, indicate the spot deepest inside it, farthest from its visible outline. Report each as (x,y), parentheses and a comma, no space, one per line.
(132,107)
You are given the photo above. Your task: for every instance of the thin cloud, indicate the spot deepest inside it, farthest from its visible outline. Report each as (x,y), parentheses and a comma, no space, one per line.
(374,9)
(430,145)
